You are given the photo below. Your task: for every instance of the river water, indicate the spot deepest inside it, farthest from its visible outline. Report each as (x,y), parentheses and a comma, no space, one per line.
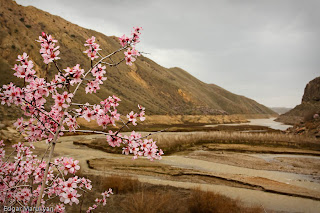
(268,122)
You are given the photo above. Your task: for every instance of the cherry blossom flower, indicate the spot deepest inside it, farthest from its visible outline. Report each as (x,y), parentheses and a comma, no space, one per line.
(93,48)
(132,117)
(48,50)
(69,196)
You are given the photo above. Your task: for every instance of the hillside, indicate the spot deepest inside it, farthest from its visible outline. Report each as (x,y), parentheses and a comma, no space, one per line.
(305,116)
(309,106)
(162,91)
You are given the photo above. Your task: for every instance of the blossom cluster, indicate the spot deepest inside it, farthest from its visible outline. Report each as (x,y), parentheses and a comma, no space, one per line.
(93,48)
(25,70)
(131,54)
(98,74)
(102,201)
(134,144)
(74,74)
(48,50)
(104,113)
(124,40)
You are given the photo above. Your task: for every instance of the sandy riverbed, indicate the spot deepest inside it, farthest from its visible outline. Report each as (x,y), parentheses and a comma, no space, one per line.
(286,182)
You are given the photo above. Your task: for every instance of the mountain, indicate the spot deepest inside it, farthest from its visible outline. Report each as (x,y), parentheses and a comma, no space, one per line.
(280,110)
(161,90)
(309,106)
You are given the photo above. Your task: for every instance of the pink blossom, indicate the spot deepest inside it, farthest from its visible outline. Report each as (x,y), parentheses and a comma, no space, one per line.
(69,196)
(93,48)
(124,40)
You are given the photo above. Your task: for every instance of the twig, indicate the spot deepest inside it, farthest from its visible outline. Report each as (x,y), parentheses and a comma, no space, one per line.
(41,110)
(82,202)
(153,133)
(45,153)
(44,125)
(76,104)
(14,187)
(125,124)
(113,65)
(55,63)
(7,157)
(106,133)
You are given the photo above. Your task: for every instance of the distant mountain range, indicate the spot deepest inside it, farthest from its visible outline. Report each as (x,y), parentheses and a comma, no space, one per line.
(161,90)
(280,110)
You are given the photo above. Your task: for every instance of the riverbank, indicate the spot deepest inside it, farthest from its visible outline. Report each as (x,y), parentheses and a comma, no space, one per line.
(154,122)
(173,142)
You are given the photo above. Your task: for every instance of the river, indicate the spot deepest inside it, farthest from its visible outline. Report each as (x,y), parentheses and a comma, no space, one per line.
(268,122)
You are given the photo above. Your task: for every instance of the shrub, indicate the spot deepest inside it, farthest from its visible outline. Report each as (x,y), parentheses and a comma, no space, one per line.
(210,202)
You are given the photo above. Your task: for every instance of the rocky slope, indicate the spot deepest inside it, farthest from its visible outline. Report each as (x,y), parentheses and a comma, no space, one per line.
(305,116)
(309,106)
(162,91)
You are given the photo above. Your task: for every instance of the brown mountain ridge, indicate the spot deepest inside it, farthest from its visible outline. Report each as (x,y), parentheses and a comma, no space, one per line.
(161,90)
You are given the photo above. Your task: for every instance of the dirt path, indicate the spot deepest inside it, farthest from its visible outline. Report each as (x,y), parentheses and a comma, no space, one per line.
(267,188)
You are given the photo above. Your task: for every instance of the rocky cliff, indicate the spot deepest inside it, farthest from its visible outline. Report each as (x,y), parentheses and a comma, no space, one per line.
(305,116)
(309,106)
(312,91)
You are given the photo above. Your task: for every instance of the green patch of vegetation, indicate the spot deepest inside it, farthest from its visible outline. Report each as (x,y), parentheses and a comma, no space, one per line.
(21,19)
(28,26)
(13,46)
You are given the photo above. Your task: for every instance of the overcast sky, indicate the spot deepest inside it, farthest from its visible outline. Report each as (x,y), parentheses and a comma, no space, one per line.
(266,50)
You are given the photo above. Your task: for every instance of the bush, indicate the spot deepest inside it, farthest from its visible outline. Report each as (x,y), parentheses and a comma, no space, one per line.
(207,202)
(120,184)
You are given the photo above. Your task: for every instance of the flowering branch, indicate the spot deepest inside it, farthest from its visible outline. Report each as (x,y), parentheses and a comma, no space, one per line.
(27,180)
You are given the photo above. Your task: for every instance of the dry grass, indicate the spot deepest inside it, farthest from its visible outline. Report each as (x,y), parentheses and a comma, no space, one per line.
(149,202)
(120,184)
(207,202)
(171,143)
(130,195)
(175,142)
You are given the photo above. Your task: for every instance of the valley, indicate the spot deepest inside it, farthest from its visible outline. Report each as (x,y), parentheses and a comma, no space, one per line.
(278,178)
